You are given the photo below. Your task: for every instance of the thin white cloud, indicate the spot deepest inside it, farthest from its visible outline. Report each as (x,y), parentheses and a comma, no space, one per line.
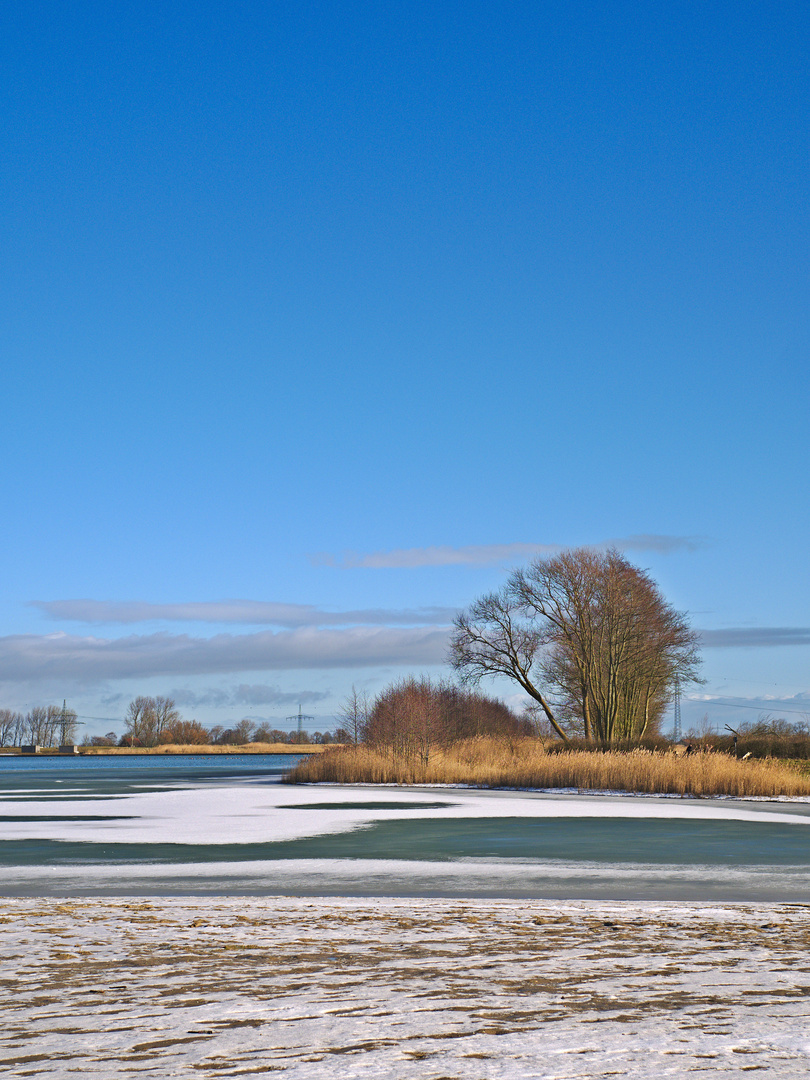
(411,558)
(755,637)
(68,656)
(244,612)
(488,554)
(662,544)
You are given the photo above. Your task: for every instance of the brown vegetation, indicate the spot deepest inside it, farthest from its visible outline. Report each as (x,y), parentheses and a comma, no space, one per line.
(415,717)
(524,763)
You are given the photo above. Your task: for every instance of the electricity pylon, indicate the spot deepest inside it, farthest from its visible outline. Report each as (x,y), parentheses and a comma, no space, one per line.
(677,703)
(301,717)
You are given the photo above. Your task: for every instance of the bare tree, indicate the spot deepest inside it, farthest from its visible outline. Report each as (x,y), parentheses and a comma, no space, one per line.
(243,731)
(407,718)
(492,638)
(40,724)
(147,718)
(166,715)
(11,725)
(139,722)
(354,714)
(590,629)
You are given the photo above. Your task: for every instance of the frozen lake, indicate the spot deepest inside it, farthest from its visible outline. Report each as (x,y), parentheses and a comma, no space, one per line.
(226,825)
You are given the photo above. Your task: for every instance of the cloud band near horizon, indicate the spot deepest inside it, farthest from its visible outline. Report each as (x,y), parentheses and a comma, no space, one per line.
(487,554)
(70,656)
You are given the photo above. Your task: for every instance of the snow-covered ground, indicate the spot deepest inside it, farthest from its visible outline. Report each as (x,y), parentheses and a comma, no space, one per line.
(387,988)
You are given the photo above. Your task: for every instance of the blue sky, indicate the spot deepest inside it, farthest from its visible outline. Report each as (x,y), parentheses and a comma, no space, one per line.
(315,320)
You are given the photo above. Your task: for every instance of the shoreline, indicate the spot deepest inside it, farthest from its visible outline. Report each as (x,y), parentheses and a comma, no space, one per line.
(170,750)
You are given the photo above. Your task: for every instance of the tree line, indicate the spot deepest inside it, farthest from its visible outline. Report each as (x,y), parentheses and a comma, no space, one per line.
(40,726)
(414,716)
(149,722)
(156,721)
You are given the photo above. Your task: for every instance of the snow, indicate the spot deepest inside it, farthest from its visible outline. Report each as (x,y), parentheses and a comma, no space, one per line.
(395,988)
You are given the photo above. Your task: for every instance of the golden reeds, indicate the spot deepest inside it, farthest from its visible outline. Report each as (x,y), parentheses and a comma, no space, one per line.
(524,763)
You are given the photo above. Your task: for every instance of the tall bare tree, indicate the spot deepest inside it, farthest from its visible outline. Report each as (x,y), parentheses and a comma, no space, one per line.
(493,638)
(11,724)
(353,715)
(588,636)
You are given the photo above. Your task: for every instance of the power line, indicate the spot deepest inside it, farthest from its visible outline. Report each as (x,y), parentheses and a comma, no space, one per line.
(758,708)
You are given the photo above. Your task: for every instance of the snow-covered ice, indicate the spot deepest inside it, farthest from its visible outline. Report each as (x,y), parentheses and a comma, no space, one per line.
(246,812)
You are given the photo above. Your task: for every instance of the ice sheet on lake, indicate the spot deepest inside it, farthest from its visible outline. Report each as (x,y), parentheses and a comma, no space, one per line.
(262,813)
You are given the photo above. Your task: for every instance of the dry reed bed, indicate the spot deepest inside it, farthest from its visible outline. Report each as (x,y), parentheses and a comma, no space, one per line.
(524,763)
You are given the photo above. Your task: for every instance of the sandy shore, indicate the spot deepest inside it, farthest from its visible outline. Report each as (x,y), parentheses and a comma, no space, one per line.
(381,988)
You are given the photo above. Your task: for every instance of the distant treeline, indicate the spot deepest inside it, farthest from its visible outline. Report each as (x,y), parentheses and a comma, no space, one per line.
(412,716)
(408,719)
(150,721)
(155,721)
(766,737)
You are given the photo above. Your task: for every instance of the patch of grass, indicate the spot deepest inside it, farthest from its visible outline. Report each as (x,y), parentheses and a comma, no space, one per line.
(525,763)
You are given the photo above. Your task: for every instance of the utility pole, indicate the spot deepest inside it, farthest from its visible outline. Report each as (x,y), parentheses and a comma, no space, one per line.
(677,729)
(64,724)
